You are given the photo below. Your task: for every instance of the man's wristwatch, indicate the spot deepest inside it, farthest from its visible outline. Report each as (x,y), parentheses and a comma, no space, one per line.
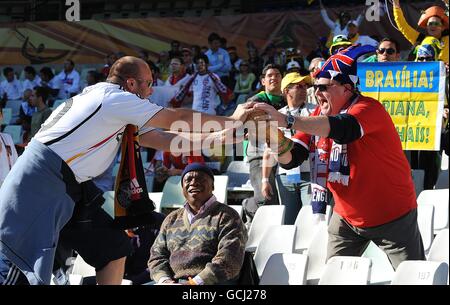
(290,120)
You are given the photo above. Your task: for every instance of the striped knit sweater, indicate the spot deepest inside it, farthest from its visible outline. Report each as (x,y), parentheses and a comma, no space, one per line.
(212,246)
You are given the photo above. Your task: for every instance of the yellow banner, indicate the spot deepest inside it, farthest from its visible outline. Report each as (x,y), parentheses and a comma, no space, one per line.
(413,94)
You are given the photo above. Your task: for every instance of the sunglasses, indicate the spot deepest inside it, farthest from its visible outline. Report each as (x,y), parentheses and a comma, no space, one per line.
(322,88)
(434,23)
(389,51)
(149,82)
(425,59)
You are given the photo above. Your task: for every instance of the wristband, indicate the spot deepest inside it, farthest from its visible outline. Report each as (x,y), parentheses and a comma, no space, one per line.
(288,148)
(265,180)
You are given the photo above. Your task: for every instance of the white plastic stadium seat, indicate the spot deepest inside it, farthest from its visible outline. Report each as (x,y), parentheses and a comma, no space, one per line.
(285,269)
(346,270)
(317,254)
(277,239)
(421,273)
(439,248)
(265,216)
(306,228)
(438,198)
(425,219)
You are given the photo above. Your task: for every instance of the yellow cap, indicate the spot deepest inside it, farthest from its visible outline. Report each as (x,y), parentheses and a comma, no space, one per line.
(294,78)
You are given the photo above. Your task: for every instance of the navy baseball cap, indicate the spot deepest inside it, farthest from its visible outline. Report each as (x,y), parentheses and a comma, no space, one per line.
(197,167)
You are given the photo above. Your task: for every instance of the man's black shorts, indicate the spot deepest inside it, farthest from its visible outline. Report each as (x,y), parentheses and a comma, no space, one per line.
(98,242)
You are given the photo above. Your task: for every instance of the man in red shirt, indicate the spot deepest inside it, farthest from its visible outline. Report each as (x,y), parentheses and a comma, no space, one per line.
(356,153)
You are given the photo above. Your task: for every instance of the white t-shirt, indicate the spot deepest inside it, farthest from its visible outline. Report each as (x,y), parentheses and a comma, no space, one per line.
(101,113)
(70,83)
(13,89)
(8,155)
(30,84)
(205,97)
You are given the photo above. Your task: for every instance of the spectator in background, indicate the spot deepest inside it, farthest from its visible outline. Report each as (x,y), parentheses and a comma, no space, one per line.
(294,87)
(178,76)
(235,63)
(11,93)
(174,49)
(355,37)
(155,74)
(11,88)
(26,112)
(320,51)
(8,153)
(197,50)
(387,51)
(315,65)
(433,20)
(219,59)
(427,160)
(272,56)
(202,243)
(340,26)
(31,79)
(255,61)
(163,64)
(50,81)
(38,99)
(173,165)
(188,61)
(205,87)
(292,66)
(271,81)
(109,61)
(293,54)
(339,42)
(70,80)
(244,83)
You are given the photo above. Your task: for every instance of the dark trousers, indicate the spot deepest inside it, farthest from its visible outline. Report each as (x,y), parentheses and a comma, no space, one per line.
(400,239)
(428,161)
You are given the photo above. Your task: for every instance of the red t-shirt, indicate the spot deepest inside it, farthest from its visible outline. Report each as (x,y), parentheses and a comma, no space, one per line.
(181,161)
(380,188)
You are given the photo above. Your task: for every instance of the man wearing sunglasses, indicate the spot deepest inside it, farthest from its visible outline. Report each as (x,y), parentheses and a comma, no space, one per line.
(77,143)
(356,153)
(387,51)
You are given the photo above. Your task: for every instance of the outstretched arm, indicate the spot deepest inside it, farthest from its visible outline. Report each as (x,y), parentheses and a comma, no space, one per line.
(175,118)
(410,34)
(184,142)
(326,19)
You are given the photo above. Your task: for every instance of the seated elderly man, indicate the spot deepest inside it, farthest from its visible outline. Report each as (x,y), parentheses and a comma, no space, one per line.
(202,243)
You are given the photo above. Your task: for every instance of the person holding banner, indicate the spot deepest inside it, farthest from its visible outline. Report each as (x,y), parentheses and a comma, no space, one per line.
(428,160)
(77,143)
(356,153)
(433,20)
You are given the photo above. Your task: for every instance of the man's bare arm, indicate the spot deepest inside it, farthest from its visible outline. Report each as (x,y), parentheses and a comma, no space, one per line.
(163,140)
(195,121)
